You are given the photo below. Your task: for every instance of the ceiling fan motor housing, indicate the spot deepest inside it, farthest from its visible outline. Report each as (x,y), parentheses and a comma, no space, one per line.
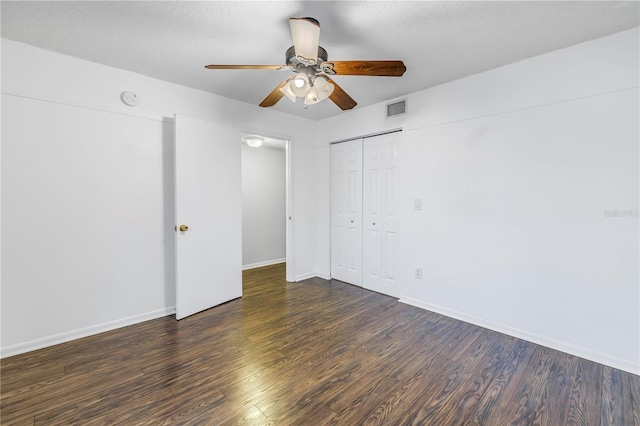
(292,60)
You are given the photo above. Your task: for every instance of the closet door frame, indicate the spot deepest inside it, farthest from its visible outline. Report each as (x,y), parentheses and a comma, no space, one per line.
(364,202)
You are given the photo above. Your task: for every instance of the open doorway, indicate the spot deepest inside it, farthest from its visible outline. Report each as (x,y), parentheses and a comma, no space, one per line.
(266,216)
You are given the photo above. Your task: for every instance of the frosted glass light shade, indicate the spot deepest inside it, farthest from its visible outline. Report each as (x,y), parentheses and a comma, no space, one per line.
(312,97)
(286,89)
(323,87)
(300,85)
(253,141)
(320,90)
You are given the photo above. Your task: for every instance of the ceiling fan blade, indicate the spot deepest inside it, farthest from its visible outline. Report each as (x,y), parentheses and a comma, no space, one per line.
(339,96)
(373,68)
(273,97)
(305,33)
(247,67)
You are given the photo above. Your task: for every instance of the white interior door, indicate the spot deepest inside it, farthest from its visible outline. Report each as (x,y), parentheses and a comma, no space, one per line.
(208,201)
(380,217)
(346,212)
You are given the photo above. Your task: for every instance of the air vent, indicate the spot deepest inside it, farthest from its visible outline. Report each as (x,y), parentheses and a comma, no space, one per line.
(397,108)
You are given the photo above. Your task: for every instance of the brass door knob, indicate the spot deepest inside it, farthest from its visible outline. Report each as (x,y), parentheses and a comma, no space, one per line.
(184,228)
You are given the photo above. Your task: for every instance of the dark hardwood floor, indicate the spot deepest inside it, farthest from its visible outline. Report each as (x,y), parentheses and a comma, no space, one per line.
(311,353)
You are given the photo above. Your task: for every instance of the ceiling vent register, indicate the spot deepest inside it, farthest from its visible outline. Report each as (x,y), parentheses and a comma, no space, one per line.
(397,108)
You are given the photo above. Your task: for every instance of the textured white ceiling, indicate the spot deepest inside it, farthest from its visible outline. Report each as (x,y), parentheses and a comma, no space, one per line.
(438,41)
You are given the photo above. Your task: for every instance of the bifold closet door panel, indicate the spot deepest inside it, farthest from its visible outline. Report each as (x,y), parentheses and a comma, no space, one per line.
(380,213)
(346,212)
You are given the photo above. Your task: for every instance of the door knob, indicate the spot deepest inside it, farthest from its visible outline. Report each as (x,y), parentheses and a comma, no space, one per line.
(184,228)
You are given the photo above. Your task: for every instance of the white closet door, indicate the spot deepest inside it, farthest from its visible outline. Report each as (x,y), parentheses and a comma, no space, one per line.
(380,217)
(208,202)
(346,212)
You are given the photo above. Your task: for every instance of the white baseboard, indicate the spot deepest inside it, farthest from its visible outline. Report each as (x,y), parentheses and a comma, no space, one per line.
(305,276)
(83,332)
(308,275)
(578,351)
(261,264)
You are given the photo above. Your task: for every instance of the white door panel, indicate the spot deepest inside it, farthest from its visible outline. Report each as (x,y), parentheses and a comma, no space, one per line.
(346,212)
(208,201)
(380,220)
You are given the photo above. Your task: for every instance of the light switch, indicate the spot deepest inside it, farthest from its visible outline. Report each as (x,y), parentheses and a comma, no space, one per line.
(417,204)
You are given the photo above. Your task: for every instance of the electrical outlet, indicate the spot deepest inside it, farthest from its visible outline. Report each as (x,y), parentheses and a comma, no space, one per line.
(418,274)
(417,204)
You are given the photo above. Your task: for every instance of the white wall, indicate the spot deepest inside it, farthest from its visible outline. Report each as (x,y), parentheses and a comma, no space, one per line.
(59,284)
(263,206)
(87,218)
(518,169)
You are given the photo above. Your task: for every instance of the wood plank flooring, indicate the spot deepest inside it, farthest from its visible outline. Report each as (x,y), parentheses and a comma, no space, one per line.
(311,353)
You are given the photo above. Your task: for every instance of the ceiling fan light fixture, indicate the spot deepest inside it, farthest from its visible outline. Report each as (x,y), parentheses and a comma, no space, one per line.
(307,59)
(253,141)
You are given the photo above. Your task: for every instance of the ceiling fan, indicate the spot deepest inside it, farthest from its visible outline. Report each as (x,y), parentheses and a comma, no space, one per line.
(312,69)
